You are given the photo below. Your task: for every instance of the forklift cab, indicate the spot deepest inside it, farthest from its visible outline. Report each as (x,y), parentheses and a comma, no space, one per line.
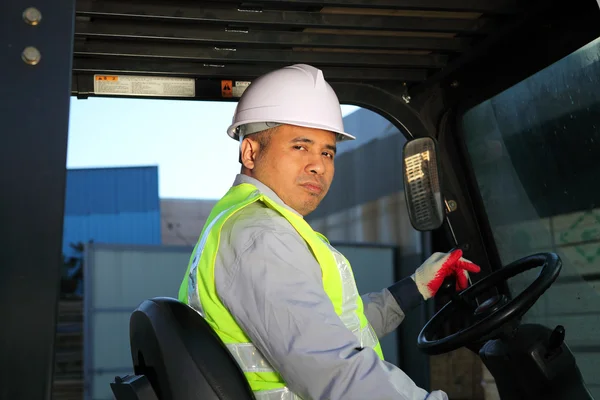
(176,354)
(502,96)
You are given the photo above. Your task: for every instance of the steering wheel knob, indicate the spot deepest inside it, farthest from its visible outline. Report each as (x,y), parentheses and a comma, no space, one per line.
(448,287)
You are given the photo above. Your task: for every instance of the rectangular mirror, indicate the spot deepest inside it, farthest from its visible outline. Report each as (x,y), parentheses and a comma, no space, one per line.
(422,184)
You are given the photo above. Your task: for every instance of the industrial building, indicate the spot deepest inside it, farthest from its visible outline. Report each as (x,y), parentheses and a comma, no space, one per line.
(182,219)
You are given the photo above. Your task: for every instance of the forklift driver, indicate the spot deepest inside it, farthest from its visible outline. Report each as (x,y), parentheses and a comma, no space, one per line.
(281,298)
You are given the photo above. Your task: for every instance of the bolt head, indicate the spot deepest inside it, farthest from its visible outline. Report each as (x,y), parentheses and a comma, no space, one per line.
(32,16)
(452,205)
(31,55)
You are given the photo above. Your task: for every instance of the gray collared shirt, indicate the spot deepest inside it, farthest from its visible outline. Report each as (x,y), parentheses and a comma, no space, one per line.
(271,283)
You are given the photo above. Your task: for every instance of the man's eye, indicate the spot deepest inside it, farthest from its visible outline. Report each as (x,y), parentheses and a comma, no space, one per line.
(299,147)
(328,155)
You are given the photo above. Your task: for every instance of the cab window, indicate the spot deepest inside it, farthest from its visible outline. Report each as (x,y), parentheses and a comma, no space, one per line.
(535,152)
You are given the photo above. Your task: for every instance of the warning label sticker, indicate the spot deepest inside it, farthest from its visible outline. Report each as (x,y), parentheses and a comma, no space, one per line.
(239,88)
(128,85)
(231,89)
(226,88)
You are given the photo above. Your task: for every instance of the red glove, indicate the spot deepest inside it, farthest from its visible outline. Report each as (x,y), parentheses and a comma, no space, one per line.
(431,274)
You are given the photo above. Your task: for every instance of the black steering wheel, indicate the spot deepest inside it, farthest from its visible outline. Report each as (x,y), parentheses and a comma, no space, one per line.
(496,311)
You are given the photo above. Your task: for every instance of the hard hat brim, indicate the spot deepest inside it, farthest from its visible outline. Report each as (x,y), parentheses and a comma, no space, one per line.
(341,135)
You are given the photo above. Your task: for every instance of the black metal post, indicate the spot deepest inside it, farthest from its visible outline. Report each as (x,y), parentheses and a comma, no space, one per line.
(36,44)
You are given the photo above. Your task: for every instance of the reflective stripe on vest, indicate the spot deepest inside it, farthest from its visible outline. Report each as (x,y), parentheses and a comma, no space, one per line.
(193,299)
(349,295)
(250,359)
(276,394)
(265,382)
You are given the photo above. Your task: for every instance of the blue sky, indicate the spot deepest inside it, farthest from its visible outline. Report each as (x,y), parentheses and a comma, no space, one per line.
(186,139)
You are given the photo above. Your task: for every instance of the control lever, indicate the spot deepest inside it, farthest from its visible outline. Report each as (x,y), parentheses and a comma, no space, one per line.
(556,339)
(448,289)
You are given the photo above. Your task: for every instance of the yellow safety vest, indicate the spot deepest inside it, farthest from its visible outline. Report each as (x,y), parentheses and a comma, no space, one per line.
(198,290)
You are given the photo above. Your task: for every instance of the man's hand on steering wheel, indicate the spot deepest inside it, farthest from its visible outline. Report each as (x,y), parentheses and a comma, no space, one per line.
(439,266)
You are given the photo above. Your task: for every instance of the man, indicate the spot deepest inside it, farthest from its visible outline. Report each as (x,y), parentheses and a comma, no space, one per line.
(281,298)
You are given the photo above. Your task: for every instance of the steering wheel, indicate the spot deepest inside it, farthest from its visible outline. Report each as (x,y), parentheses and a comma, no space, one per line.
(495,311)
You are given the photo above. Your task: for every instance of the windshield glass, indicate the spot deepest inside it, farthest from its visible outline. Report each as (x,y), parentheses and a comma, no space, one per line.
(535,152)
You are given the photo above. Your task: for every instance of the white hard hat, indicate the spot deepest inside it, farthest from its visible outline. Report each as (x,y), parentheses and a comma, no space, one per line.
(294,95)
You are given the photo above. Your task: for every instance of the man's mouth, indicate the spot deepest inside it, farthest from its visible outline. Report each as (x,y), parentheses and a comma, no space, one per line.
(313,187)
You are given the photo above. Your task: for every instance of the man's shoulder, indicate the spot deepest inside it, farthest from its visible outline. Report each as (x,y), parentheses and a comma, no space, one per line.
(254,219)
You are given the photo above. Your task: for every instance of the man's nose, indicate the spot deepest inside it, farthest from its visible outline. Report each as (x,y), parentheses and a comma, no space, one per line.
(316,165)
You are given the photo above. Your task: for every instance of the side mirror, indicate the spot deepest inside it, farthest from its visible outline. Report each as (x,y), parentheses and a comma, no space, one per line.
(422,186)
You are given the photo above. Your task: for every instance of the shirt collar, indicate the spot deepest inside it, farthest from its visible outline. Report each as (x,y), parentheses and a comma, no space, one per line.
(264,189)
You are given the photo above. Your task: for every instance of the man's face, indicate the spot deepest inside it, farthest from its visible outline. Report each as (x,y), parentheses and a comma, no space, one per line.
(297,164)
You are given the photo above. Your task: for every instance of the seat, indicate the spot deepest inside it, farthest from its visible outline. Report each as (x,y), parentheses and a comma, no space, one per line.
(178,354)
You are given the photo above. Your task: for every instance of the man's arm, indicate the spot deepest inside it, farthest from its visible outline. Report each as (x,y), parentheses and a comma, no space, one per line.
(274,291)
(386,309)
(382,311)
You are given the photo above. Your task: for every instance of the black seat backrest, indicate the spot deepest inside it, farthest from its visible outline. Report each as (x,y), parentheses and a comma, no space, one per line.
(181,355)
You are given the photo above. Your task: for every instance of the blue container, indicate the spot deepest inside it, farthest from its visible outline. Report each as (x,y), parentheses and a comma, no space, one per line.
(111,205)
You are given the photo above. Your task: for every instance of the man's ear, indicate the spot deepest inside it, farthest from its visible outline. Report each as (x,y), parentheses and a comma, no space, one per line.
(248,152)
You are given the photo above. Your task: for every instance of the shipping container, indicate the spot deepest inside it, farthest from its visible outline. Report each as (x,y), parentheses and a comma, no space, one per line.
(111,205)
